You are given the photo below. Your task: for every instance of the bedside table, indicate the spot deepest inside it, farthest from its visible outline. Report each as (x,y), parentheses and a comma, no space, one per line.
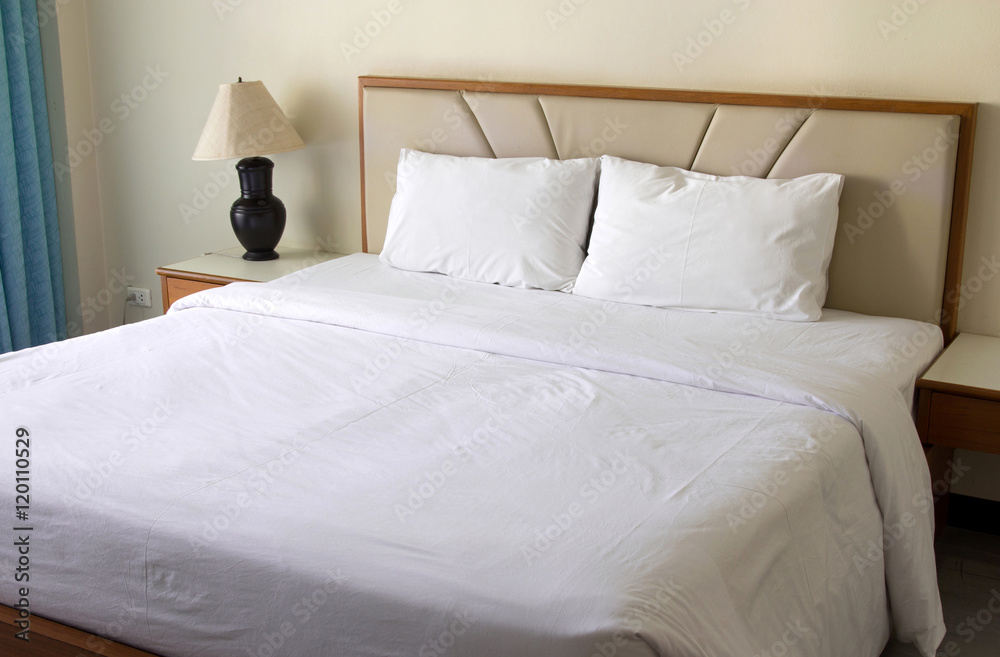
(225,267)
(959,402)
(958,406)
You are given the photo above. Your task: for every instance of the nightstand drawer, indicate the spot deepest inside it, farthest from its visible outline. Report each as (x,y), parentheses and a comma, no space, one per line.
(178,287)
(964,422)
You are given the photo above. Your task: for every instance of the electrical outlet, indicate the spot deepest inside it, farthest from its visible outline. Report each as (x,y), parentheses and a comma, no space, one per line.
(138,296)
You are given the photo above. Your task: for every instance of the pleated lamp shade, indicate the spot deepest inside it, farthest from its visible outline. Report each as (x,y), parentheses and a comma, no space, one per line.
(245,122)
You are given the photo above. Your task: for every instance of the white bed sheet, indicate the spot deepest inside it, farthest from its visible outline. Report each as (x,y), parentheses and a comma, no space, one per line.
(356,460)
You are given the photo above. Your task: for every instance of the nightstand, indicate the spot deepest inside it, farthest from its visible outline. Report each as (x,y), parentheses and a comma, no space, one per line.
(959,402)
(958,406)
(225,267)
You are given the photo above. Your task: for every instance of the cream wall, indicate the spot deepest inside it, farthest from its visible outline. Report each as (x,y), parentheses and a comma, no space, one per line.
(154,67)
(68,87)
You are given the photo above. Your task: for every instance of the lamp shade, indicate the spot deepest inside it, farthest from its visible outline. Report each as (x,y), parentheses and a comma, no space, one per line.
(245,122)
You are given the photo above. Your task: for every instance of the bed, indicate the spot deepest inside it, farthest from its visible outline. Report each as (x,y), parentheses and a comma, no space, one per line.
(359,459)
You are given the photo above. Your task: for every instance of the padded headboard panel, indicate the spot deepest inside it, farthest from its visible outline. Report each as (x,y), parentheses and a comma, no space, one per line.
(899,244)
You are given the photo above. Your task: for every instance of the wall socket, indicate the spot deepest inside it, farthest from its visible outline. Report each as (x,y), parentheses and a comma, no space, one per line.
(138,296)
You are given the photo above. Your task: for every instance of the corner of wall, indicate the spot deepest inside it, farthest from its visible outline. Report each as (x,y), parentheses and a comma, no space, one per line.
(68,88)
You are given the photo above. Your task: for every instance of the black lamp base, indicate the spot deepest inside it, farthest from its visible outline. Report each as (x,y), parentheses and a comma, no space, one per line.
(258,217)
(261,255)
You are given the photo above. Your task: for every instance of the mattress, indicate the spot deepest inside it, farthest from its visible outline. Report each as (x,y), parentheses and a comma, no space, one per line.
(357,460)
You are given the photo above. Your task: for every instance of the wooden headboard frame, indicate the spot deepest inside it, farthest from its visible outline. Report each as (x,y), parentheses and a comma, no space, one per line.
(965,113)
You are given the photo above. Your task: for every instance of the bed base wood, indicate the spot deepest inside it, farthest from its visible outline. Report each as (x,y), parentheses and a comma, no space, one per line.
(50,639)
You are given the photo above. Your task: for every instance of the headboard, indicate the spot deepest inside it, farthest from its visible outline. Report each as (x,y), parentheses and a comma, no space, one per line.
(900,240)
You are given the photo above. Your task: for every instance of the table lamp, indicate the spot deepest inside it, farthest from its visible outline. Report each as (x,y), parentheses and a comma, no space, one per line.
(245,122)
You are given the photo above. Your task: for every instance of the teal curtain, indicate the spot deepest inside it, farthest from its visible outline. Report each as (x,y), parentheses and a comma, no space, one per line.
(32,310)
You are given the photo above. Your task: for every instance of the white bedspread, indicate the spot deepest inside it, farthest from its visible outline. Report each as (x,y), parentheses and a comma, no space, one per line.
(356,460)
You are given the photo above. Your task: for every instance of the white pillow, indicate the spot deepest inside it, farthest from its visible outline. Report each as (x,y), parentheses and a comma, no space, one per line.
(520,222)
(677,239)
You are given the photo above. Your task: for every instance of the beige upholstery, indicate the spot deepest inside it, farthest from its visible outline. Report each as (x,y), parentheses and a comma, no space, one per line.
(892,240)
(895,212)
(667,134)
(746,141)
(514,124)
(426,120)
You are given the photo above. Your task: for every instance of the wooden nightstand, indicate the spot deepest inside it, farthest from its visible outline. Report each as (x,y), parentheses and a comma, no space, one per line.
(225,267)
(958,406)
(959,396)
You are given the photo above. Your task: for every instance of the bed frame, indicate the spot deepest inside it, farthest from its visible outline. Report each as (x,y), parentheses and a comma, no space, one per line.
(901,235)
